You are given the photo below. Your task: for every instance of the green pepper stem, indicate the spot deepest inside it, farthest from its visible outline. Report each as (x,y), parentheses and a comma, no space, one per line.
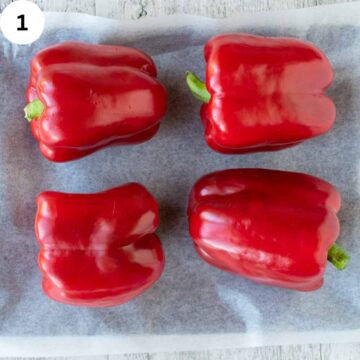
(33,110)
(338,257)
(197,87)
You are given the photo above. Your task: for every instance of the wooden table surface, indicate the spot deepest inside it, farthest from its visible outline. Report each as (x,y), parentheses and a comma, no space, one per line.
(135,9)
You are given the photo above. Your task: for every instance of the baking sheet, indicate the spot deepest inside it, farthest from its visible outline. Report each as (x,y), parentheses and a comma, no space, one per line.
(193,306)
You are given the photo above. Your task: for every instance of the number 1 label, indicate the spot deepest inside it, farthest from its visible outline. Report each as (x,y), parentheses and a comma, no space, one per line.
(22,22)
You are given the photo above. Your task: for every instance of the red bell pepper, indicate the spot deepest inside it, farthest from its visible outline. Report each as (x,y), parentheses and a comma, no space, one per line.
(98,249)
(263,93)
(84,97)
(274,227)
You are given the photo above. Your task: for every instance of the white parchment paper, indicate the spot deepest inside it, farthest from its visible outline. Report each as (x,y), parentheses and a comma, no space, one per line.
(193,306)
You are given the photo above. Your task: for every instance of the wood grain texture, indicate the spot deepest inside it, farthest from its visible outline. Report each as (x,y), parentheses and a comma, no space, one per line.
(311,352)
(84,6)
(293,352)
(135,9)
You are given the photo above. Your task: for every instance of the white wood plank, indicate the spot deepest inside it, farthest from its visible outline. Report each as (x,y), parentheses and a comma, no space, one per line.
(340,352)
(134,9)
(295,352)
(83,6)
(104,357)
(115,9)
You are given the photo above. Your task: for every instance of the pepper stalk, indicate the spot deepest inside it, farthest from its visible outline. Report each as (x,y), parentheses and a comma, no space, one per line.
(197,87)
(33,110)
(338,257)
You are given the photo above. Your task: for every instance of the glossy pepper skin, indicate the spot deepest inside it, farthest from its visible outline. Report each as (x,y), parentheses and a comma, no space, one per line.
(98,249)
(263,93)
(84,97)
(274,227)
